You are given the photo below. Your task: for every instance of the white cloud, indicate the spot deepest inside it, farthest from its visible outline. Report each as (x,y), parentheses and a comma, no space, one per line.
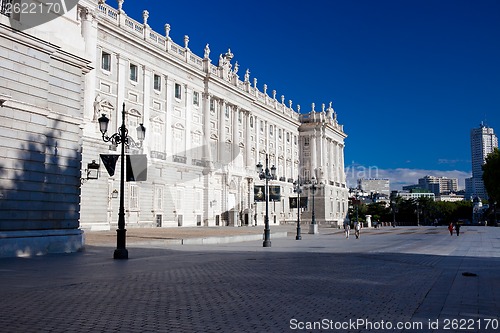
(401,176)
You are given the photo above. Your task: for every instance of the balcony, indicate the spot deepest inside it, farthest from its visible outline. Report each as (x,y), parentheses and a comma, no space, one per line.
(179,159)
(198,162)
(158,155)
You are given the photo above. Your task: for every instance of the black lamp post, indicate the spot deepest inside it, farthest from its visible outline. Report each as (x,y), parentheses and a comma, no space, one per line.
(393,207)
(495,213)
(418,213)
(355,191)
(297,189)
(122,138)
(357,205)
(313,228)
(267,175)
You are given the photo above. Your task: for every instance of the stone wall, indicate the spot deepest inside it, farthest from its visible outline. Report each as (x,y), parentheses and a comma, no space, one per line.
(40,145)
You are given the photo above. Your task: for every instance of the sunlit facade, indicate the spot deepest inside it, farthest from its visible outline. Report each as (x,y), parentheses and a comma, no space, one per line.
(208,125)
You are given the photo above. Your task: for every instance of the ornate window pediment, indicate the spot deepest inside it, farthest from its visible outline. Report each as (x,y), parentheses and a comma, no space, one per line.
(157,120)
(106,105)
(134,112)
(178,126)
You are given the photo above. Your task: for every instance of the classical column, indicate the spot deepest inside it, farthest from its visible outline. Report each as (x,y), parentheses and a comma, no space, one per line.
(222,128)
(285,155)
(248,141)
(169,87)
(122,73)
(236,134)
(322,138)
(188,105)
(89,33)
(314,155)
(206,125)
(338,165)
(208,194)
(146,79)
(266,136)
(295,173)
(331,160)
(341,163)
(256,124)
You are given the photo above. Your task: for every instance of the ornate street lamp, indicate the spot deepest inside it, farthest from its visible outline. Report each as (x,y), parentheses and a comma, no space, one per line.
(418,213)
(93,170)
(394,207)
(313,227)
(355,191)
(267,175)
(298,189)
(122,138)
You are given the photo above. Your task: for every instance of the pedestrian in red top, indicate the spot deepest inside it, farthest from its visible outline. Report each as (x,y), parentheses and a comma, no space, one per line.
(450,228)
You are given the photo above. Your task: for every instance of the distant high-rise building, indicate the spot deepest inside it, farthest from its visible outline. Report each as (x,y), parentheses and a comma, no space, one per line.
(483,141)
(375,185)
(438,185)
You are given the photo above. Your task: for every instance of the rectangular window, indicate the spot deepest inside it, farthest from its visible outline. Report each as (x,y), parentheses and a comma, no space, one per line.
(180,199)
(227,111)
(306,141)
(177,91)
(197,200)
(133,73)
(196,98)
(157,142)
(287,136)
(134,197)
(106,61)
(262,126)
(157,82)
(158,198)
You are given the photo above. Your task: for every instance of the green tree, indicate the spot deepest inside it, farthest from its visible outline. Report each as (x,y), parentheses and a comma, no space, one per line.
(491,176)
(379,211)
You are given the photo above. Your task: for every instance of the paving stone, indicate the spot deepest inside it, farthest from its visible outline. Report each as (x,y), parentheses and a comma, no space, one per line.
(389,275)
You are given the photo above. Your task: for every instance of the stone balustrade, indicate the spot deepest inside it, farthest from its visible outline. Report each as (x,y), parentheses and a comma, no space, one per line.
(143,31)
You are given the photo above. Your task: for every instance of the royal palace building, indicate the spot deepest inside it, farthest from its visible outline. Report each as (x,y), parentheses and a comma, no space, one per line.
(208,124)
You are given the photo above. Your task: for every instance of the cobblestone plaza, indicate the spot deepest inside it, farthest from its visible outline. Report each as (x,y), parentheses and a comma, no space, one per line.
(390,280)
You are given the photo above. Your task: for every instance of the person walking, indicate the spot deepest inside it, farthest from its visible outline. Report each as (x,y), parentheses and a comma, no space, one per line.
(357,229)
(347,230)
(450,228)
(457,229)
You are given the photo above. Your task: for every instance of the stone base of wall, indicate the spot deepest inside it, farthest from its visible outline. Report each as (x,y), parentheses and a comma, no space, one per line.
(40,242)
(95,226)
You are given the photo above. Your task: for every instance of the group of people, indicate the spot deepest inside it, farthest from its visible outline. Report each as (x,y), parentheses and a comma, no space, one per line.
(454,226)
(357,229)
(347,229)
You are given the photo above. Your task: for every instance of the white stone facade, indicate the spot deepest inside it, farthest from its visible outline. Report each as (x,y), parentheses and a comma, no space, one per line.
(207,126)
(206,129)
(41,83)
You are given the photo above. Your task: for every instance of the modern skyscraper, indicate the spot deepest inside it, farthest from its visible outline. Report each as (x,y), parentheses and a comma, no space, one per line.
(483,141)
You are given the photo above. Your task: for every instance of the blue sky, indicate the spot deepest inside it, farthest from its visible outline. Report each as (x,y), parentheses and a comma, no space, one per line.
(408,79)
